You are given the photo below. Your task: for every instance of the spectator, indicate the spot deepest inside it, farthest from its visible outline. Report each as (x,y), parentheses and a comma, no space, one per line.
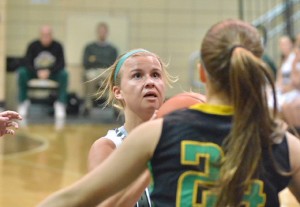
(286,45)
(288,82)
(44,60)
(97,56)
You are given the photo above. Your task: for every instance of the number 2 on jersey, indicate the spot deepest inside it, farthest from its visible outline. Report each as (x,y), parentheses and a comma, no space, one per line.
(207,156)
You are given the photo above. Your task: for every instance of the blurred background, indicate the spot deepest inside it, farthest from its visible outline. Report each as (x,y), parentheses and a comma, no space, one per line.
(172,29)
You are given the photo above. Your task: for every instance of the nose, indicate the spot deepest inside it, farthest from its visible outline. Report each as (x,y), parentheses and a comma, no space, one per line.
(149,82)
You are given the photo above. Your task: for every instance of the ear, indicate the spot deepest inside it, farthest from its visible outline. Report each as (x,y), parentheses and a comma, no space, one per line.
(202,73)
(117,92)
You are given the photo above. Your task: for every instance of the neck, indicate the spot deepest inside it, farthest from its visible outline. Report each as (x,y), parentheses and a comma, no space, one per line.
(132,120)
(216,98)
(101,41)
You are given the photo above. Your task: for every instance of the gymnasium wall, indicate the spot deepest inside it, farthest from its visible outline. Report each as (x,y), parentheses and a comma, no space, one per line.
(2,50)
(171,28)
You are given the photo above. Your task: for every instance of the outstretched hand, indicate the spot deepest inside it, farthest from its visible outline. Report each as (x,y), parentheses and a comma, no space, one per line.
(7,123)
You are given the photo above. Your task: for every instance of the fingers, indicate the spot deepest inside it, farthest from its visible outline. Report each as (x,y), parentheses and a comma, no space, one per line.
(12,124)
(8,127)
(10,115)
(7,131)
(4,119)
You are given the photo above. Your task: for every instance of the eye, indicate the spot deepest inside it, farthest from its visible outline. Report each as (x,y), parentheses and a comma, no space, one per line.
(137,75)
(156,75)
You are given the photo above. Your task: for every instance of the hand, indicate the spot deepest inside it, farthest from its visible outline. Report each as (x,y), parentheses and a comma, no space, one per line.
(6,121)
(43,73)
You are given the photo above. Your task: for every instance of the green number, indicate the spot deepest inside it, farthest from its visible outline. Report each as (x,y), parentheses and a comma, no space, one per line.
(254,196)
(192,153)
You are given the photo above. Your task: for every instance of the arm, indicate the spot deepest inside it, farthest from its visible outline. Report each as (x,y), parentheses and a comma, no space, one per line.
(100,150)
(129,196)
(278,82)
(29,56)
(115,54)
(99,184)
(294,149)
(60,58)
(86,55)
(295,73)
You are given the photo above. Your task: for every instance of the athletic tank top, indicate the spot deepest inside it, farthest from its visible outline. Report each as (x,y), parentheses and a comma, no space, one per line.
(188,153)
(117,136)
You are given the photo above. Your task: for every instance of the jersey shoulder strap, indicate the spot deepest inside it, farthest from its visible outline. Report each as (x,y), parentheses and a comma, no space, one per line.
(116,135)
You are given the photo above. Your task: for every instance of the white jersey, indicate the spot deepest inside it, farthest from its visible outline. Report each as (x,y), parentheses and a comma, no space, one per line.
(286,68)
(117,136)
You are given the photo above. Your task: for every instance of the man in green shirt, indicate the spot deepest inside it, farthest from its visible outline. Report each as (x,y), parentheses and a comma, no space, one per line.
(97,56)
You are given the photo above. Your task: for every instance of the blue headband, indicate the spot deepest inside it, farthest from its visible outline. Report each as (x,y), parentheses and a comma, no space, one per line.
(124,58)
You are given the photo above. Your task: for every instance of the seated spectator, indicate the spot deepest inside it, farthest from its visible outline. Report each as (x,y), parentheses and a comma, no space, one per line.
(97,56)
(286,45)
(44,60)
(288,82)
(289,66)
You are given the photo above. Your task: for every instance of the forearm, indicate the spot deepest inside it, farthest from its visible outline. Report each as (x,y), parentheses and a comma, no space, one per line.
(84,192)
(85,59)
(129,196)
(119,200)
(62,198)
(60,60)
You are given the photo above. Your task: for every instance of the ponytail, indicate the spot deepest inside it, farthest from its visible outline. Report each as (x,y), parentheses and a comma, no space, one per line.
(252,124)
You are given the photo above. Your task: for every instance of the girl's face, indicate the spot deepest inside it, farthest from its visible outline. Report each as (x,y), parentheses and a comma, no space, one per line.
(285,46)
(142,87)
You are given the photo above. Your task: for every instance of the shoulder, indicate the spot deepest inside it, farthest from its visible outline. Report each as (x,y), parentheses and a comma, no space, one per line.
(113,47)
(103,142)
(147,134)
(294,149)
(34,43)
(156,124)
(102,145)
(99,151)
(56,43)
(110,46)
(90,45)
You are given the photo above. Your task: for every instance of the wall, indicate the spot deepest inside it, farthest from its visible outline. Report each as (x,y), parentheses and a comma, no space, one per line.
(2,51)
(171,28)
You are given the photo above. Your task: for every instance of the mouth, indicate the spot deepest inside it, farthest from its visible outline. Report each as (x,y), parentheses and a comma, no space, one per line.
(150,94)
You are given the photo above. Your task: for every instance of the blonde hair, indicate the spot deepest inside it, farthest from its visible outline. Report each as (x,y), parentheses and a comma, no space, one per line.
(113,78)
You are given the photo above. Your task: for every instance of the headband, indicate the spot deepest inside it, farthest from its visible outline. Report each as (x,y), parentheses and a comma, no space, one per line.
(124,58)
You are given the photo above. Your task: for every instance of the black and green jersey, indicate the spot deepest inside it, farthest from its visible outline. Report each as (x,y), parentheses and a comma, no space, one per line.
(187,158)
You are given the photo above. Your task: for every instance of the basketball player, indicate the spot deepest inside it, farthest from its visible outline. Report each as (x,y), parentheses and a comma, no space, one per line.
(7,120)
(227,152)
(136,85)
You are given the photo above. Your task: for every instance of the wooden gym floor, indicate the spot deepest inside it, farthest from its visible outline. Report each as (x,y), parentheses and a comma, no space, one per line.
(39,160)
